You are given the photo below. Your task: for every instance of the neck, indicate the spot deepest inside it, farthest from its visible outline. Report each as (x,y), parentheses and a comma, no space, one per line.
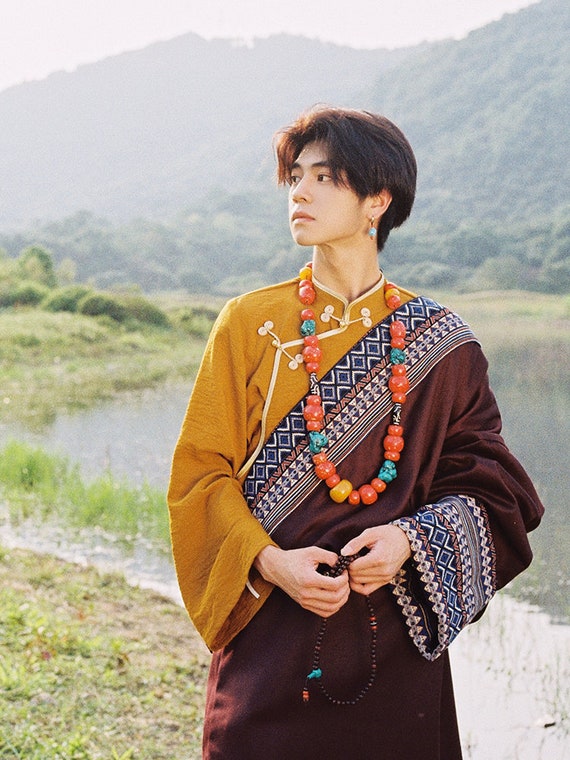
(348,273)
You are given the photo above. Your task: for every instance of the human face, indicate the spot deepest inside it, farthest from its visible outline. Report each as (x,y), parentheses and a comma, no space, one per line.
(322,212)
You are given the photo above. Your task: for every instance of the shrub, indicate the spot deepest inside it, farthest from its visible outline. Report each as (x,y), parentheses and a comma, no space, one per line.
(142,310)
(23,294)
(66,299)
(100,304)
(196,321)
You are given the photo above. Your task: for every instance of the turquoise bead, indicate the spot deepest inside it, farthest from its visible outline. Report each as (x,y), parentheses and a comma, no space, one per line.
(317,442)
(388,471)
(309,327)
(397,356)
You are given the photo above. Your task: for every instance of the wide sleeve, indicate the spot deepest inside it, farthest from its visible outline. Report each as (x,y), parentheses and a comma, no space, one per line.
(215,538)
(470,537)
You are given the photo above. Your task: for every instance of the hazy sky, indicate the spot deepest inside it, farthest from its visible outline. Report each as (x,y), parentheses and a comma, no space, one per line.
(38,37)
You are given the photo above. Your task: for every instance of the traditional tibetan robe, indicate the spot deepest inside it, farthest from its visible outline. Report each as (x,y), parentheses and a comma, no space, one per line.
(242,478)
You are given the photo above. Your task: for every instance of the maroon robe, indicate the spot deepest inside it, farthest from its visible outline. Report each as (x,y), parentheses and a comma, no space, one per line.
(466,505)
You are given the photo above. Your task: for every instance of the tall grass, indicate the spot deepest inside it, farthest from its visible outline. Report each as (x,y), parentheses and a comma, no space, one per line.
(40,485)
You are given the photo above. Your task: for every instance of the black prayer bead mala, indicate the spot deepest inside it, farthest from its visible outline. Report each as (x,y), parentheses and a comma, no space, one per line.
(317,673)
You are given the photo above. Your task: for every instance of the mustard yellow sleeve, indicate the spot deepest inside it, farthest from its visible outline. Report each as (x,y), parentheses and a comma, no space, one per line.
(215,538)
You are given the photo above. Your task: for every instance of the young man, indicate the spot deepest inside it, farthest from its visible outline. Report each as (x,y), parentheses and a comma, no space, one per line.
(342,503)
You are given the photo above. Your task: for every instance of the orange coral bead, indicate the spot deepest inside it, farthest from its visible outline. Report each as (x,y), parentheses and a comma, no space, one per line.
(399,398)
(397,329)
(395,430)
(312,354)
(333,481)
(313,398)
(354,498)
(313,412)
(319,458)
(393,443)
(378,485)
(398,384)
(311,340)
(398,369)
(325,470)
(312,367)
(398,343)
(393,456)
(307,293)
(307,314)
(367,494)
(314,425)
(394,302)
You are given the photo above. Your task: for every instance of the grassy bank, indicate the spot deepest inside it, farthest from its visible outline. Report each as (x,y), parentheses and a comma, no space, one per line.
(61,361)
(48,488)
(91,668)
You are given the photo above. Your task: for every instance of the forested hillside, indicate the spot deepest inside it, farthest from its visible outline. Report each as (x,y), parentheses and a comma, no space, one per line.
(155,167)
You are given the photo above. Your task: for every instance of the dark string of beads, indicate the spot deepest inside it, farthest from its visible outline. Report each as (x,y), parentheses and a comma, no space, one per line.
(316,673)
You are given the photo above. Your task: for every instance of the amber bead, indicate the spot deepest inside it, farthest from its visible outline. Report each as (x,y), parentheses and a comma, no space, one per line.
(305,273)
(391,293)
(341,491)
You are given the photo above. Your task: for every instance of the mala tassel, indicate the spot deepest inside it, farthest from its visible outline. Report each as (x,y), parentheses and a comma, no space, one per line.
(315,673)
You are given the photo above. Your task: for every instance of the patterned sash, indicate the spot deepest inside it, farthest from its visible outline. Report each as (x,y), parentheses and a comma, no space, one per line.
(356,398)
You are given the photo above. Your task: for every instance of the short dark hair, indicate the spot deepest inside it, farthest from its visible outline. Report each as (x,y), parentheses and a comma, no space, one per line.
(366,151)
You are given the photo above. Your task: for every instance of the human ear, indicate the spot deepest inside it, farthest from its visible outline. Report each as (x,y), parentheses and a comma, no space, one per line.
(379,203)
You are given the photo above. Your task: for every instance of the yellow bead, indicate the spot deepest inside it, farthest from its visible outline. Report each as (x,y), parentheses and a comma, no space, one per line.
(341,491)
(391,292)
(306,273)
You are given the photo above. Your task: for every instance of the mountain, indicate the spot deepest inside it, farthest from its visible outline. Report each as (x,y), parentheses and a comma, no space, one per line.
(151,132)
(147,132)
(155,167)
(489,117)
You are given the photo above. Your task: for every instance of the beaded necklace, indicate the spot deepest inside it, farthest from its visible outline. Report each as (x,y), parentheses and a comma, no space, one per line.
(341,489)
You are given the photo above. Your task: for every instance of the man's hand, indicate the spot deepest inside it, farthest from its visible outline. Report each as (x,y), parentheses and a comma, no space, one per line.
(389,549)
(295,571)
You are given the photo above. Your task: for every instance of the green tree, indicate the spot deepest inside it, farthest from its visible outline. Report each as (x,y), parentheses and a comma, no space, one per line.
(37,264)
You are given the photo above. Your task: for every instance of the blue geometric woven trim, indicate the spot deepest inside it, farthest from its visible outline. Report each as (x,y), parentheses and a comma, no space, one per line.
(355,399)
(451,576)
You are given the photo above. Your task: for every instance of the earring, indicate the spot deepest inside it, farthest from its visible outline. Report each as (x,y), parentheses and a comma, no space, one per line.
(372,231)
